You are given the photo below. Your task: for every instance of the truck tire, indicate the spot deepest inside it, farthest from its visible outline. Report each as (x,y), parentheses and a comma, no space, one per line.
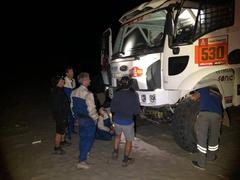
(183,122)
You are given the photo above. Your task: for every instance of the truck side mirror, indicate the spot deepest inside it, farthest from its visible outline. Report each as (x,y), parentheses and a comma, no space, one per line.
(175,50)
(169,27)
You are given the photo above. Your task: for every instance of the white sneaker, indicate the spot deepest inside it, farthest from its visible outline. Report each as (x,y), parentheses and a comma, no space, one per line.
(89,155)
(122,141)
(83,165)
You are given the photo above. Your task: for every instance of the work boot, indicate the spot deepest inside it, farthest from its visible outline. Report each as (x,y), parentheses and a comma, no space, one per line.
(127,161)
(115,154)
(212,158)
(65,143)
(59,151)
(83,165)
(196,165)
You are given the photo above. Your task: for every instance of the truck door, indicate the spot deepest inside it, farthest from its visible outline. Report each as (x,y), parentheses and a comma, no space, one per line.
(106,54)
(178,47)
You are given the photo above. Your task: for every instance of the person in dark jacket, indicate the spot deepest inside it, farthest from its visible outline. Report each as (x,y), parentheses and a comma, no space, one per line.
(124,106)
(60,112)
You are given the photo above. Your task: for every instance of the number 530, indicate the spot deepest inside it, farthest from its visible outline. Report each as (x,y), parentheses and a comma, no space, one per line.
(212,53)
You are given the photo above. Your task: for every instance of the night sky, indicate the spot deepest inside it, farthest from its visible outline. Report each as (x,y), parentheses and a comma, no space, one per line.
(42,38)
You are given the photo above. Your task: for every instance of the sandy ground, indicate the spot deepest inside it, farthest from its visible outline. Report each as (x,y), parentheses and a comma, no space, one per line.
(28,119)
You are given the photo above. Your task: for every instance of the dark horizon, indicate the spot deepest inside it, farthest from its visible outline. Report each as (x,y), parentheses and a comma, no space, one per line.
(41,42)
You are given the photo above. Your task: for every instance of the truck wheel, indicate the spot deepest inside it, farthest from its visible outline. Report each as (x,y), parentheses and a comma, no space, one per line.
(183,122)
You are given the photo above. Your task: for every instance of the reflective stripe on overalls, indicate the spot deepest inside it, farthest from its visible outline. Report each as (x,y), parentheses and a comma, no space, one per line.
(207,129)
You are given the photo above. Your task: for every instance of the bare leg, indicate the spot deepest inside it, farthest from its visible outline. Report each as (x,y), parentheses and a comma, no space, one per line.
(128,148)
(58,139)
(117,141)
(57,149)
(62,137)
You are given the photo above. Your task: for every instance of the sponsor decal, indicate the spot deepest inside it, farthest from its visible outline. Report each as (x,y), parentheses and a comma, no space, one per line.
(123,68)
(225,78)
(211,51)
(135,72)
(152,98)
(143,98)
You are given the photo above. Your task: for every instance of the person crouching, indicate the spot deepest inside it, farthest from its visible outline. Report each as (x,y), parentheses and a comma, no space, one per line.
(105,127)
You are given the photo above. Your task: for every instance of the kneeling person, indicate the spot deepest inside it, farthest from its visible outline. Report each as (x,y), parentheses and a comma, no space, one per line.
(105,128)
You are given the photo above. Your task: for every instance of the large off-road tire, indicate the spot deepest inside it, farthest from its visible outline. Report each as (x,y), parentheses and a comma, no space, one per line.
(183,122)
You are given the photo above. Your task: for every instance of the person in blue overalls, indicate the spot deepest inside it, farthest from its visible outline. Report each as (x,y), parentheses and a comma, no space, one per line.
(84,109)
(69,85)
(207,126)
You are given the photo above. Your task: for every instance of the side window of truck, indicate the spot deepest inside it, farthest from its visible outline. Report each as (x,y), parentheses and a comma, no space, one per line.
(214,16)
(185,26)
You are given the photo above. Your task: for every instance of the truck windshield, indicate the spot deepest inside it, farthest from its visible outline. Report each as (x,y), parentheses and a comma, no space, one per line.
(141,35)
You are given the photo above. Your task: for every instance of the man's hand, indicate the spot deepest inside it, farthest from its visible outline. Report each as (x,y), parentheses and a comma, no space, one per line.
(112,130)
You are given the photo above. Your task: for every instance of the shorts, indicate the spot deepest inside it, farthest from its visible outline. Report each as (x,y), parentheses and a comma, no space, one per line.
(60,126)
(128,131)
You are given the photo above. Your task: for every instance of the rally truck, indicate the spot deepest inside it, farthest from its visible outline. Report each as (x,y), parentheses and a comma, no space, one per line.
(170,48)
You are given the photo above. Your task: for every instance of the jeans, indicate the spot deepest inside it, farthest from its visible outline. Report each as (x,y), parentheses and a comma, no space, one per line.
(70,126)
(86,139)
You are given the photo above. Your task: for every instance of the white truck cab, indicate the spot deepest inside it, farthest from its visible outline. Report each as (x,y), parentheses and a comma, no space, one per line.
(172,47)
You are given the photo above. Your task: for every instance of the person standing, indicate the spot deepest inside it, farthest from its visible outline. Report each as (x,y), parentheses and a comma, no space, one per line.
(124,106)
(207,126)
(84,109)
(60,112)
(69,85)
